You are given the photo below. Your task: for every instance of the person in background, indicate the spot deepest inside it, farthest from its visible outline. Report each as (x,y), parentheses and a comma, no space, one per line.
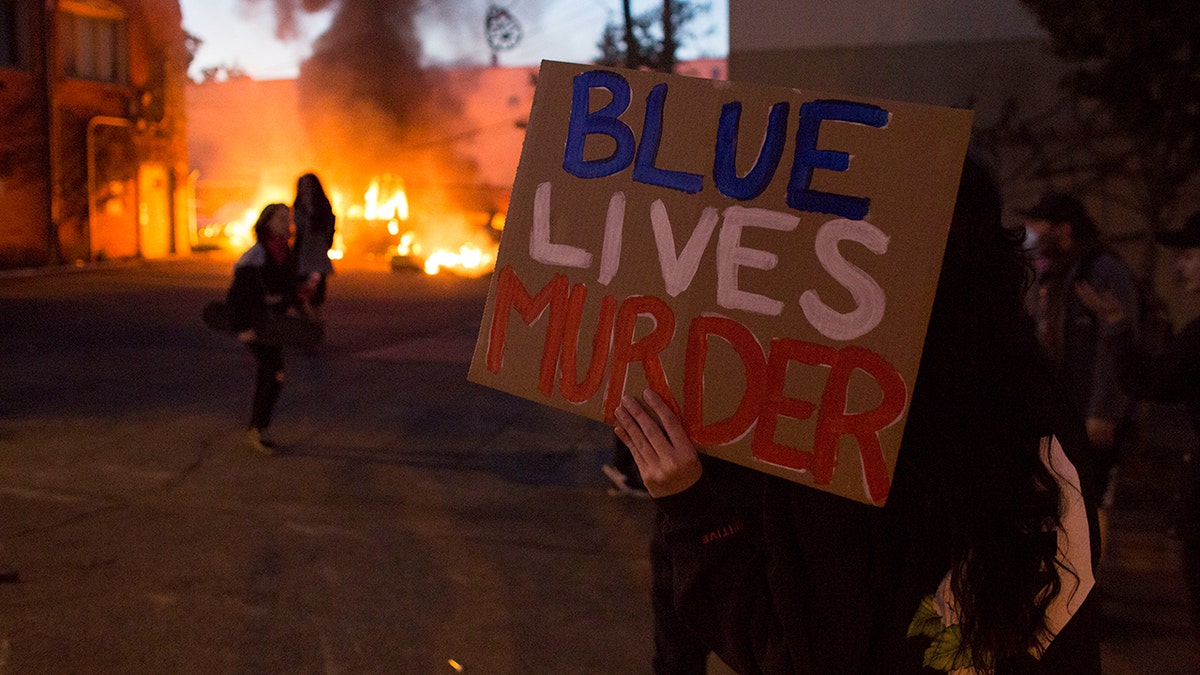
(264,282)
(314,219)
(981,559)
(1068,242)
(1172,375)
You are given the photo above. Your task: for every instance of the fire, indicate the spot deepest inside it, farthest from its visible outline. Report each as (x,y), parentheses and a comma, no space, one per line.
(237,232)
(386,199)
(408,244)
(474,257)
(382,223)
(470,260)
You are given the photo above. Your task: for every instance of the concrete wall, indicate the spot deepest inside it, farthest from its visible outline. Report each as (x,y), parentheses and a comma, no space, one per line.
(767,25)
(977,54)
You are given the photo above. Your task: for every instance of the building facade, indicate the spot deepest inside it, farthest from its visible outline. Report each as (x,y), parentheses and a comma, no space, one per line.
(93,147)
(978,54)
(991,56)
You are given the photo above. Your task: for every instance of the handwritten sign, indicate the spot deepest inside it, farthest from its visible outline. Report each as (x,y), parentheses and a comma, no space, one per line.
(763,258)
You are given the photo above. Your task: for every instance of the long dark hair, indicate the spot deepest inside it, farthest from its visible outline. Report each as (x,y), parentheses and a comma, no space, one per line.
(316,209)
(970,478)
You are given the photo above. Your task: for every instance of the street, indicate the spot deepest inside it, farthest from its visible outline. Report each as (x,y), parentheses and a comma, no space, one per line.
(413,519)
(414,522)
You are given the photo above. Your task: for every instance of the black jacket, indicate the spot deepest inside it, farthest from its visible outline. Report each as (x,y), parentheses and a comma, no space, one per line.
(795,580)
(1172,376)
(260,286)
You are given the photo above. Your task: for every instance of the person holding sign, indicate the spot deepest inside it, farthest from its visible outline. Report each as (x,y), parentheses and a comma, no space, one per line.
(981,560)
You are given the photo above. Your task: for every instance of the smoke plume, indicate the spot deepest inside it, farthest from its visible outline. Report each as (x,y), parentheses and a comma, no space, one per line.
(367,105)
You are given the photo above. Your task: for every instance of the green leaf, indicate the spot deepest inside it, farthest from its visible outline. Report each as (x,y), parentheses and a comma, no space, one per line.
(947,653)
(927,621)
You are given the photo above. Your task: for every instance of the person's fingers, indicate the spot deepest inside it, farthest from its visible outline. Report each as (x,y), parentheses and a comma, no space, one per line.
(668,464)
(656,440)
(620,432)
(669,421)
(630,433)
(624,437)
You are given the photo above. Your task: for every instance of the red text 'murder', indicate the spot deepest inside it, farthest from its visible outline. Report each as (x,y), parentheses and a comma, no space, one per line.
(614,348)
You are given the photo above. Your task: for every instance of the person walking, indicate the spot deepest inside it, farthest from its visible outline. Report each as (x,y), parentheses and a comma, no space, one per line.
(315,221)
(1069,245)
(264,283)
(1172,375)
(981,560)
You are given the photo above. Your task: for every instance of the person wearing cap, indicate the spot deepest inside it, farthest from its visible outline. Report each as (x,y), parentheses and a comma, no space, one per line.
(1066,240)
(1172,375)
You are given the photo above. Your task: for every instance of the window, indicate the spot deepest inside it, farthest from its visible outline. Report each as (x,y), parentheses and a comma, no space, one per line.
(92,40)
(14,34)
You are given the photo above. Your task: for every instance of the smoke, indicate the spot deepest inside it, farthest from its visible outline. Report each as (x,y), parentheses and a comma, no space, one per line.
(367,105)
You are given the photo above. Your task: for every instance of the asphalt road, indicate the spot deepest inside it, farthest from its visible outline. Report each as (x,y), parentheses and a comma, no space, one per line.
(415,523)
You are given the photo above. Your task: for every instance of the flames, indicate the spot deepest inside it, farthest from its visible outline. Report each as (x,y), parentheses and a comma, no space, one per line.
(381,223)
(468,257)
(385,199)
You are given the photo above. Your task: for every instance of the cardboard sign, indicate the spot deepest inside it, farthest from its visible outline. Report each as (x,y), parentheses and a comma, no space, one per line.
(763,258)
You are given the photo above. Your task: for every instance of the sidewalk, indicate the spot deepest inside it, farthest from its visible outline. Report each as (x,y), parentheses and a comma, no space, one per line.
(1146,623)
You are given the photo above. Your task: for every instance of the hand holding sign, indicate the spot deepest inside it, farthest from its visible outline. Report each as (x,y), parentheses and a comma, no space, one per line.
(666,457)
(657,238)
(780,325)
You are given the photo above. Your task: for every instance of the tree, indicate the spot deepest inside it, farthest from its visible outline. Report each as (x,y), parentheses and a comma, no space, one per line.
(1133,93)
(655,40)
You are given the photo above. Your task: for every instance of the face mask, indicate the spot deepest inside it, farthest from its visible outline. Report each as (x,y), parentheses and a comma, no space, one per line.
(1031,239)
(280,225)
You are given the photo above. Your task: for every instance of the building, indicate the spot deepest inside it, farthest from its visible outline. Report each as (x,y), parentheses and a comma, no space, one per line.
(978,54)
(244,159)
(93,151)
(991,56)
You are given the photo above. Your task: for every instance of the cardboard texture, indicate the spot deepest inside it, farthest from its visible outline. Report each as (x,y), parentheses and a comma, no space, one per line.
(766,257)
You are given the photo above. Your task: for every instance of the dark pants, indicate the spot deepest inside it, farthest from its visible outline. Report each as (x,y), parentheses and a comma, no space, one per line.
(316,297)
(268,382)
(676,649)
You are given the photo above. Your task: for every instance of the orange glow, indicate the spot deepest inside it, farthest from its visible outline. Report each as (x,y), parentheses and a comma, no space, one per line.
(385,199)
(470,260)
(460,243)
(408,244)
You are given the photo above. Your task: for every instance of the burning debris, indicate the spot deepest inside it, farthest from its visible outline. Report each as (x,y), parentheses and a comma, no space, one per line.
(379,128)
(378,224)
